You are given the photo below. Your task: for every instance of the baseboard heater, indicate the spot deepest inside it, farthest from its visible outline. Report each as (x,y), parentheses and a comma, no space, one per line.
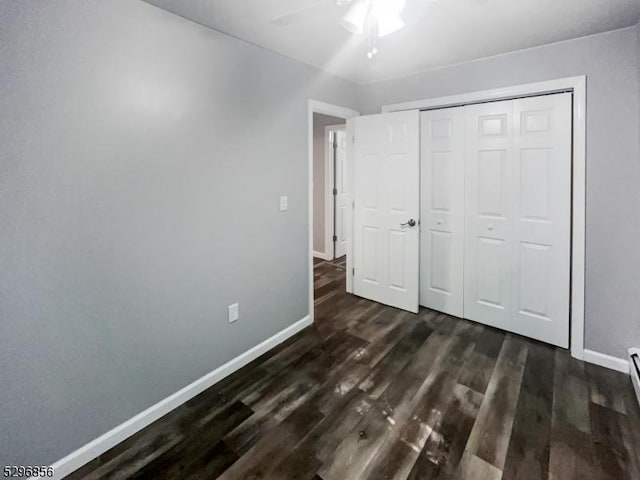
(634,369)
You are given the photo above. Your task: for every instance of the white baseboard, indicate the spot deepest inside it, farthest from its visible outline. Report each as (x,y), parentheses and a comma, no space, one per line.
(607,361)
(321,255)
(113,437)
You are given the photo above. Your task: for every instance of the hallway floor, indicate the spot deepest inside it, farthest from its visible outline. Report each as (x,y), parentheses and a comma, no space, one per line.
(373,392)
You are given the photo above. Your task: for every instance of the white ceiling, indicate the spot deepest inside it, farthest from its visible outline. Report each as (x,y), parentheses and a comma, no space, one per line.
(436,33)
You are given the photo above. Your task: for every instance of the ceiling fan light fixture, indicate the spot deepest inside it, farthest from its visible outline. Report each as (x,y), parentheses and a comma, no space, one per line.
(388,24)
(355,18)
(388,7)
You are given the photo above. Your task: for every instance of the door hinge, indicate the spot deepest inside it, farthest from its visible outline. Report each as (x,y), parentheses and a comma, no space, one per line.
(335,238)
(353,272)
(335,191)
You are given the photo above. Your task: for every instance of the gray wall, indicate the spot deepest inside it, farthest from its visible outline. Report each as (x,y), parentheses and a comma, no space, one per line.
(610,61)
(141,161)
(320,121)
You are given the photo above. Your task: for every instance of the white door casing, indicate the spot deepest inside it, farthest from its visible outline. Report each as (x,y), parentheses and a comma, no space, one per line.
(442,210)
(341,197)
(518,216)
(386,196)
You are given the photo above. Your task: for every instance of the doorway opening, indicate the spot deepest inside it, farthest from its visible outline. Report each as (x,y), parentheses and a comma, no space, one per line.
(329,187)
(329,200)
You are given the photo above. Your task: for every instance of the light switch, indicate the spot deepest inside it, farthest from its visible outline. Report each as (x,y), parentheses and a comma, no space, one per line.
(284,203)
(234,312)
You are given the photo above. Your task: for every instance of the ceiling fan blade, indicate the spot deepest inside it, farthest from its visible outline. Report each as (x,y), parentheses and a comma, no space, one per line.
(302,14)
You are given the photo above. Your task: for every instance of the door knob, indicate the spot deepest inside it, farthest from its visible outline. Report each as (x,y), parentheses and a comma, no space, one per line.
(439,222)
(410,223)
(490,227)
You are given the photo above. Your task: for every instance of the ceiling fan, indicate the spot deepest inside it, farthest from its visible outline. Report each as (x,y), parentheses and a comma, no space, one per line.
(308,10)
(376,18)
(313,7)
(373,18)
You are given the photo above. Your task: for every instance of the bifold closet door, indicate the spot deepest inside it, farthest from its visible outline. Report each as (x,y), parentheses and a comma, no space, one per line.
(386,208)
(517,208)
(442,143)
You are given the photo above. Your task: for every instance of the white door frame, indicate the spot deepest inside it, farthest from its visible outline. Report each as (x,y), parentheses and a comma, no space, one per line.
(315,106)
(578,86)
(329,253)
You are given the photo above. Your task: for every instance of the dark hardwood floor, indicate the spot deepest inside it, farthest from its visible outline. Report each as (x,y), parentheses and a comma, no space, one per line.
(371,392)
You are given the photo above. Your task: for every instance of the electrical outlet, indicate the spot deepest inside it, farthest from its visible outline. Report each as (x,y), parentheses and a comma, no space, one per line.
(284,203)
(234,312)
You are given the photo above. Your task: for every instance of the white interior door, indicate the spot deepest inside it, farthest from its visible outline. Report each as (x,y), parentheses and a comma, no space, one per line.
(518,201)
(386,208)
(341,193)
(442,210)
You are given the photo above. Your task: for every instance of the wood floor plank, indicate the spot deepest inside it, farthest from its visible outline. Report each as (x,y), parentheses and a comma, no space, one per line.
(478,468)
(378,349)
(530,441)
(603,384)
(307,458)
(358,448)
(443,450)
(291,353)
(190,450)
(489,438)
(574,455)
(391,365)
(614,459)
(428,357)
(631,426)
(210,463)
(271,449)
(572,451)
(484,358)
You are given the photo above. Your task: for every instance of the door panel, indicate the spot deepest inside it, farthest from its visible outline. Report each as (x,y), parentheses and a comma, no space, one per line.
(386,195)
(491,260)
(397,273)
(488,173)
(442,210)
(370,252)
(439,262)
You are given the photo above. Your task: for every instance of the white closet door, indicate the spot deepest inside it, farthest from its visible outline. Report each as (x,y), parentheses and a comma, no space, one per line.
(542,217)
(518,200)
(442,143)
(386,211)
(342,200)
(488,211)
